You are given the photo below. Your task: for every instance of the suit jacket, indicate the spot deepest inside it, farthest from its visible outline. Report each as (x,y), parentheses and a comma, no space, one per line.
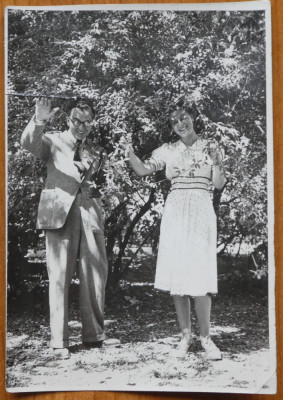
(64,181)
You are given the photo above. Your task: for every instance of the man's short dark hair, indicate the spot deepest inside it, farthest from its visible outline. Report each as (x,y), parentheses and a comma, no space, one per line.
(81,105)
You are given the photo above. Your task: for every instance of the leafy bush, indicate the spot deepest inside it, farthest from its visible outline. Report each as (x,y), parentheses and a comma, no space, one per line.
(131,66)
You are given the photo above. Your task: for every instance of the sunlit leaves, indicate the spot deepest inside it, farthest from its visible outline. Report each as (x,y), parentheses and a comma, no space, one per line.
(132,66)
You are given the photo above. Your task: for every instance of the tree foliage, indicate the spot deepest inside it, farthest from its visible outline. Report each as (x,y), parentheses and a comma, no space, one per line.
(131,66)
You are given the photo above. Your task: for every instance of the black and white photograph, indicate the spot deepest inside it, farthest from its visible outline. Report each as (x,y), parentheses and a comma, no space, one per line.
(140,206)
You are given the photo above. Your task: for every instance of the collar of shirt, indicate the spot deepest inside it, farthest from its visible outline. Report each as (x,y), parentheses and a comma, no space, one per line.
(198,145)
(71,138)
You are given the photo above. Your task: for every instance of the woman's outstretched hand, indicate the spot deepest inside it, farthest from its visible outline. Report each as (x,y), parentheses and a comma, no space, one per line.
(218,173)
(126,146)
(140,168)
(215,153)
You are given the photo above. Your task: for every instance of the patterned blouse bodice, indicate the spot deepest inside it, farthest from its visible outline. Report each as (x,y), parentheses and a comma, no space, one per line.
(193,161)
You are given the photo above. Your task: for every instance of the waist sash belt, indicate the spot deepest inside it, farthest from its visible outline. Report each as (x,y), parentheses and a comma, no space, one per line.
(182,182)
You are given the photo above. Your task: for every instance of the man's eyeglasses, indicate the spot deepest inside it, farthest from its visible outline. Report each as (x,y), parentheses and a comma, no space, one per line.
(78,123)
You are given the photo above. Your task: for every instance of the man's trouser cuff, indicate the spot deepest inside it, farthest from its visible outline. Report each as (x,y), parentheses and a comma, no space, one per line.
(93,339)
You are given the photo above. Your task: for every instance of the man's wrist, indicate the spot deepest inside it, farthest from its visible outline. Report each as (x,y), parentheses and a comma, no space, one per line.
(39,121)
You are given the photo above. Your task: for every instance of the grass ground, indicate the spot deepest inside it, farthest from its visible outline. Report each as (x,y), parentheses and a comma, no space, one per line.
(144,321)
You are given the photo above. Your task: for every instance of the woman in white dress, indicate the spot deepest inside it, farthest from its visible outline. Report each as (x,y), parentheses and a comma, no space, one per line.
(186,263)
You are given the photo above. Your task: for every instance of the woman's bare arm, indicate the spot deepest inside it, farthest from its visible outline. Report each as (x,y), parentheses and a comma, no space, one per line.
(218,173)
(139,167)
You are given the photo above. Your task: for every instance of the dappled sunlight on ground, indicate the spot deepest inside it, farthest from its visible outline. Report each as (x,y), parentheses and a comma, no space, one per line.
(142,365)
(144,321)
(217,330)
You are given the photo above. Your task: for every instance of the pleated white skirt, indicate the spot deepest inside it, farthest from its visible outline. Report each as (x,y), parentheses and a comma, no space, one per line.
(186,263)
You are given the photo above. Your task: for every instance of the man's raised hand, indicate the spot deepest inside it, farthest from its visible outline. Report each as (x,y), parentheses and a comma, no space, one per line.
(43,110)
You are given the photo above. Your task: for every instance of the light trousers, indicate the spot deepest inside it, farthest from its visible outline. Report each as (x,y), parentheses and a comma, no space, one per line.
(76,241)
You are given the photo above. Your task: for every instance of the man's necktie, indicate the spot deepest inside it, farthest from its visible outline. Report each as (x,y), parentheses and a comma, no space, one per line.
(77,158)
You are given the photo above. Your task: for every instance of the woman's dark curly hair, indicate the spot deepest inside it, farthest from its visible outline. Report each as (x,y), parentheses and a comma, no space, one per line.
(192,110)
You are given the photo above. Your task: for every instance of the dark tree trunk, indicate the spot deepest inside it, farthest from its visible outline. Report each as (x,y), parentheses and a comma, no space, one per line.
(117,270)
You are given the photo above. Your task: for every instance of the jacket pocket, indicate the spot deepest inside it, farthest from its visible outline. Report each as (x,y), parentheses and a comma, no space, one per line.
(46,206)
(94,215)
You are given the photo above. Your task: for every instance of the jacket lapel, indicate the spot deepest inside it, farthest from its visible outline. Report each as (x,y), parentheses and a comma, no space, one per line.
(90,156)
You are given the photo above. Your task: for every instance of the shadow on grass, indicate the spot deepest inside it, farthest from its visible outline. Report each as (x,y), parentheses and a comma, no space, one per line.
(136,312)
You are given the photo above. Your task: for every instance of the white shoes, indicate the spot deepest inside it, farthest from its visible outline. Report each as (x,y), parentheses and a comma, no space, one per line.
(183,347)
(212,351)
(61,354)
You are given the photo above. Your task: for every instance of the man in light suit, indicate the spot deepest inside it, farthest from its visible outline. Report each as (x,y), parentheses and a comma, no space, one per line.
(70,214)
